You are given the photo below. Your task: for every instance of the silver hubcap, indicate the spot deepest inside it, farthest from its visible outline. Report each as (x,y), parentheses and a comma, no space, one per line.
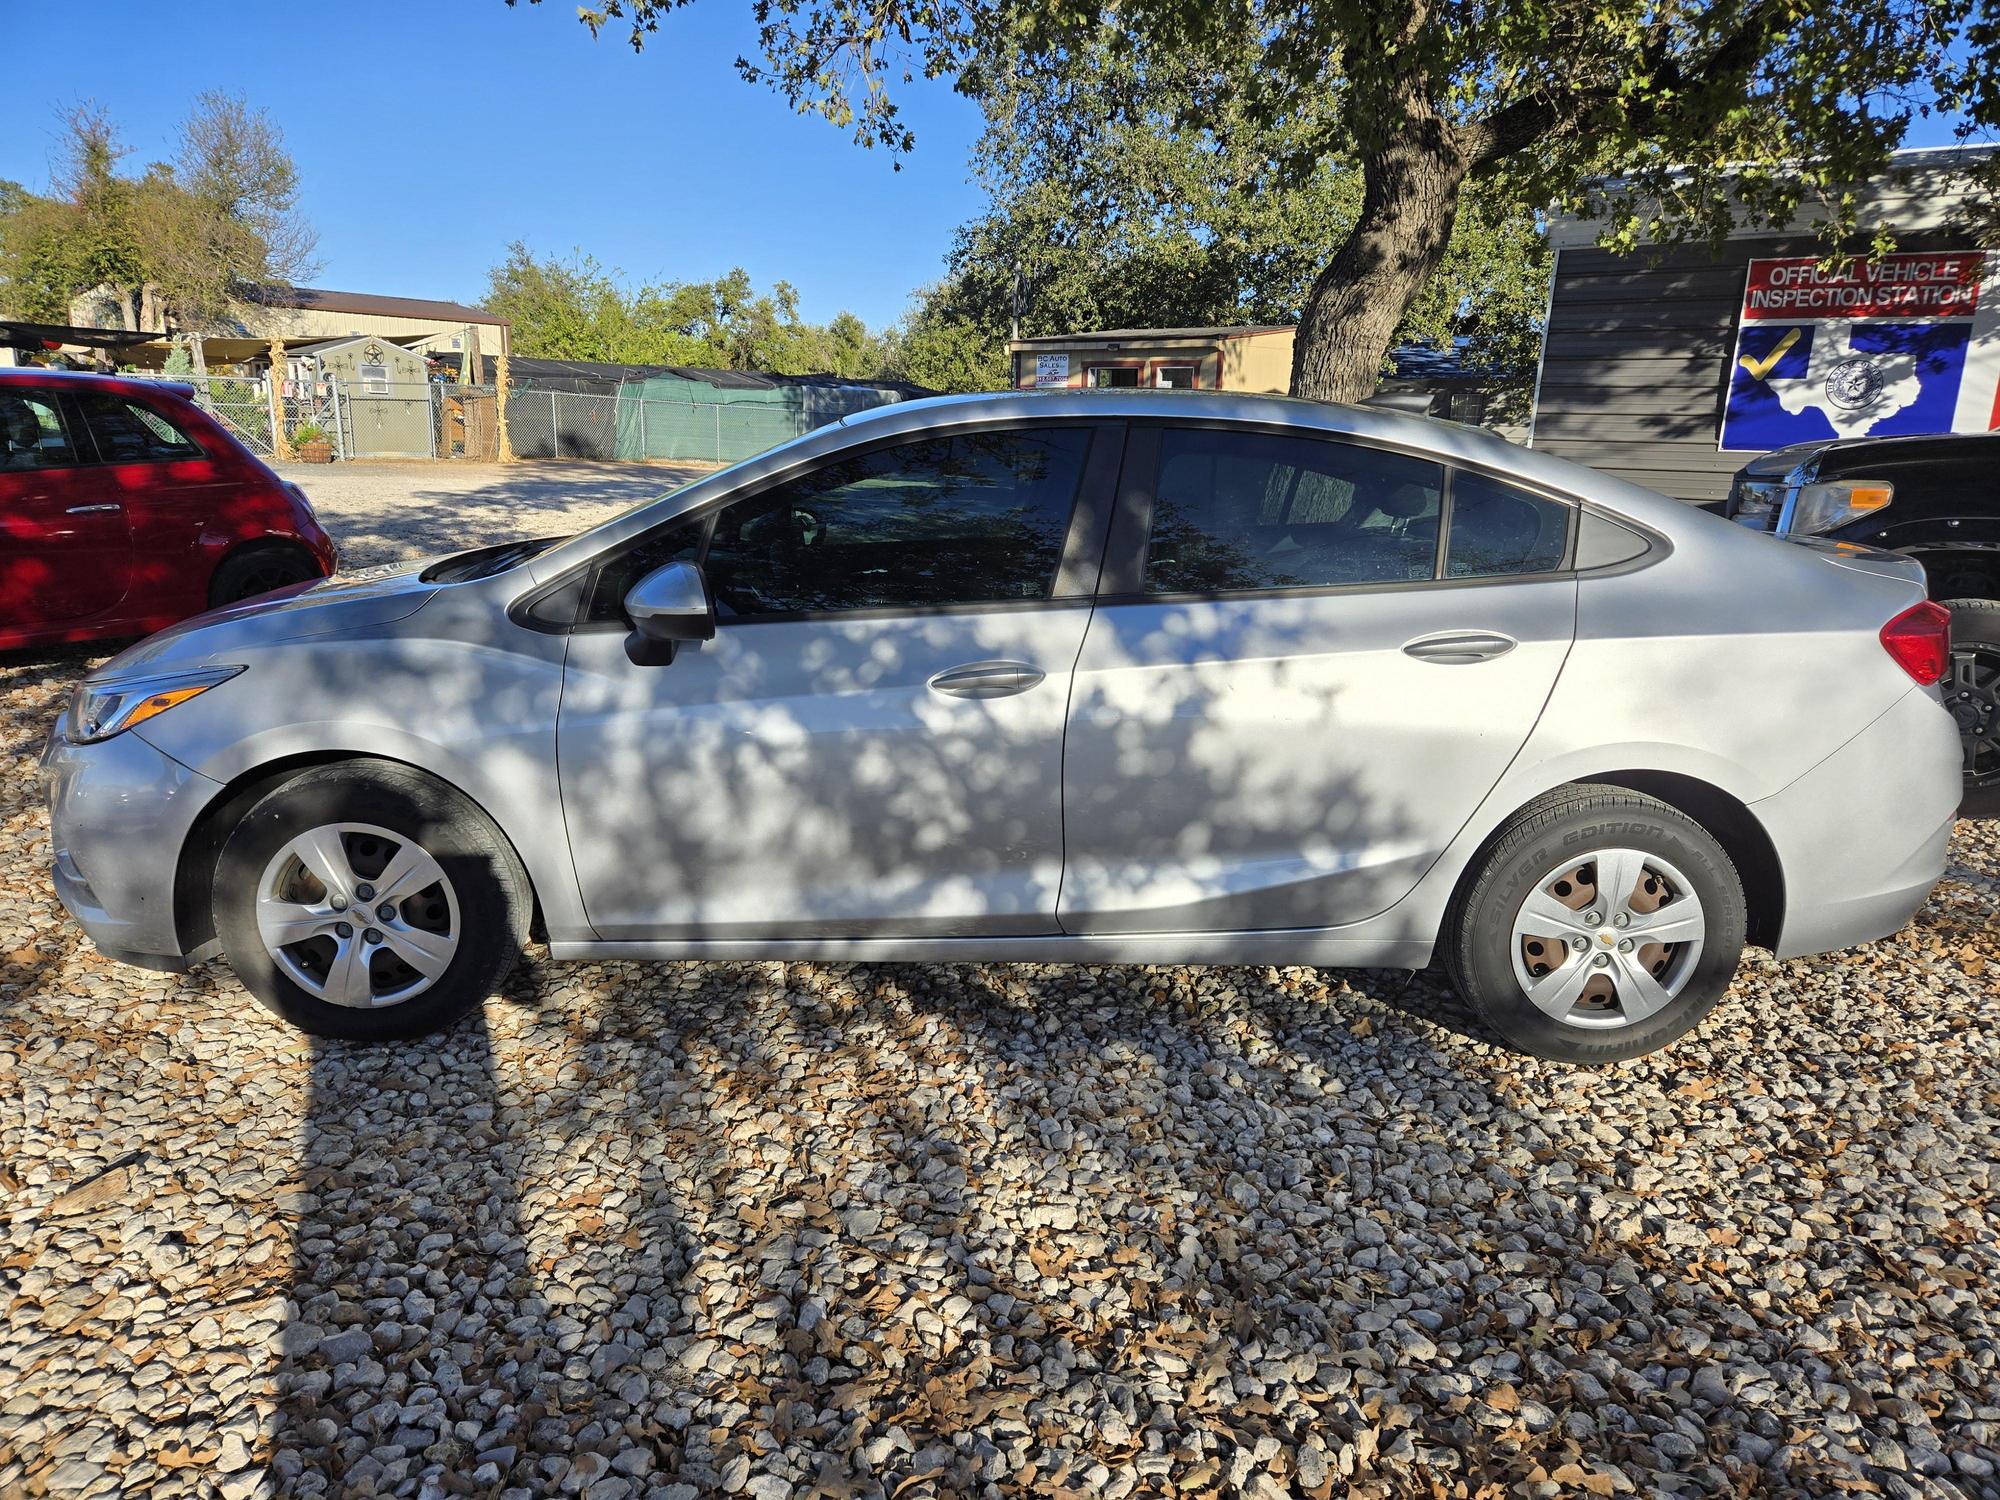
(1608,938)
(358,915)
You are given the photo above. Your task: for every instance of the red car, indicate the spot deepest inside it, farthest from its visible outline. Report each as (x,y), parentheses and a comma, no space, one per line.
(124,507)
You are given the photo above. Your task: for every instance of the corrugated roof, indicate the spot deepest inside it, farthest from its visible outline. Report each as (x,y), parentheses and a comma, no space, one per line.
(1233,331)
(319,299)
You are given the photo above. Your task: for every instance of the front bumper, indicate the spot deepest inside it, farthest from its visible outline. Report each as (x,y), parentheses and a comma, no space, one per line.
(119,814)
(1861,836)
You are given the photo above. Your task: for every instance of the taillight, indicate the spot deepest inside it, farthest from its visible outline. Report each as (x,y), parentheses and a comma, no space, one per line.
(1920,640)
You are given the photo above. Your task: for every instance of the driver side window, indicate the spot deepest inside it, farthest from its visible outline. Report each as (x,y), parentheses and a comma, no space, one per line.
(972,519)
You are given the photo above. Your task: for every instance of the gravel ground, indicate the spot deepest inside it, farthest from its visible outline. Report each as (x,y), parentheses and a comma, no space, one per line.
(379,512)
(785,1230)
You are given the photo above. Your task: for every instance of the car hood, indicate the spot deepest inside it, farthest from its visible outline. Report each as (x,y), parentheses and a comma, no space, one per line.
(346,602)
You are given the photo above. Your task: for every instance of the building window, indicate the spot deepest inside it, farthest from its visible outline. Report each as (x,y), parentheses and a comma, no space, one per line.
(1112,377)
(374,379)
(1468,407)
(1175,378)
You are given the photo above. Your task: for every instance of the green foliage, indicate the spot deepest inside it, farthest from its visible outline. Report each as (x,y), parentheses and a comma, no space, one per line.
(946,349)
(308,432)
(177,244)
(1137,221)
(178,361)
(1666,120)
(576,309)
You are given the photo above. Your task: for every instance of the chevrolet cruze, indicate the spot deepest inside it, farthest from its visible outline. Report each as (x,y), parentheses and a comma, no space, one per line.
(1090,677)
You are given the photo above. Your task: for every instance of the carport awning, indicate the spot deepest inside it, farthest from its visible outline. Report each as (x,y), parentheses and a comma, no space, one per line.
(17,335)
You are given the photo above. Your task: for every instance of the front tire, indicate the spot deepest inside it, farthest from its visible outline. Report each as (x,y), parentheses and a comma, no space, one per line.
(367,901)
(1599,925)
(1972,693)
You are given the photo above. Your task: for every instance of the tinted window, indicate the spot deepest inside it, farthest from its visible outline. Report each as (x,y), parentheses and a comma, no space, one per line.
(1497,530)
(971,519)
(130,432)
(32,433)
(1248,510)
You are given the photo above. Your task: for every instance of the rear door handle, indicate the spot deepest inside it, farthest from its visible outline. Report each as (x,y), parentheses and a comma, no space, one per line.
(91,510)
(987,679)
(1460,647)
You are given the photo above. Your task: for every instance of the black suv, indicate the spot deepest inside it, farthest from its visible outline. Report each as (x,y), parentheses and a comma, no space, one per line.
(1936,499)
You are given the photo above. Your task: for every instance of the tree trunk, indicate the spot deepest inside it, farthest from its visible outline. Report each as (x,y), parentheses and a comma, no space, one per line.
(1409,201)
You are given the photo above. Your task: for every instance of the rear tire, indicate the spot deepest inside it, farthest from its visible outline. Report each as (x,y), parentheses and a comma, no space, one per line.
(1623,915)
(259,570)
(1975,674)
(308,933)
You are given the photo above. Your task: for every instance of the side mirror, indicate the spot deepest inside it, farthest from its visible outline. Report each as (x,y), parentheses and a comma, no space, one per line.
(671,604)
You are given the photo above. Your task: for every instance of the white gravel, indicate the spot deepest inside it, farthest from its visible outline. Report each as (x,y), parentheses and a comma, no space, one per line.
(770,1230)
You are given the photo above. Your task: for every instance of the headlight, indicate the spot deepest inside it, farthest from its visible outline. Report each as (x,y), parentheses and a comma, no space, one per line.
(98,710)
(1833,503)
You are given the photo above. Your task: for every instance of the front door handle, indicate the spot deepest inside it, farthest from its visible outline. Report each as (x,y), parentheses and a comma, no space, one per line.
(91,510)
(1460,647)
(987,679)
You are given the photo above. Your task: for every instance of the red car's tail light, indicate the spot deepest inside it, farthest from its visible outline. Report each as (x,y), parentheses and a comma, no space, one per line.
(1920,640)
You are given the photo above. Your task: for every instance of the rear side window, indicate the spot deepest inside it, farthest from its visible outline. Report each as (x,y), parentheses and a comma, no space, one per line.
(1498,530)
(32,432)
(972,519)
(1238,511)
(130,432)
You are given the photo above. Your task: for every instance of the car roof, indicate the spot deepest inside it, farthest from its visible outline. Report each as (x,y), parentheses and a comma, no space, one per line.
(1444,442)
(36,375)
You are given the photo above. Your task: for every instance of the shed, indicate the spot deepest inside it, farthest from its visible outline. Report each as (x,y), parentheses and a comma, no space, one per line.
(385,406)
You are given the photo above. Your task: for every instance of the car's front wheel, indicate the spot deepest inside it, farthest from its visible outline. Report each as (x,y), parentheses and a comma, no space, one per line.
(1599,925)
(367,901)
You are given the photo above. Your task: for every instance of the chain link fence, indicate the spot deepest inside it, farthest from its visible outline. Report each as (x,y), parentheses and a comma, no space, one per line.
(432,420)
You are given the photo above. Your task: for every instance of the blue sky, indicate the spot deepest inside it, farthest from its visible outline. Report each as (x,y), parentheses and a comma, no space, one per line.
(431,133)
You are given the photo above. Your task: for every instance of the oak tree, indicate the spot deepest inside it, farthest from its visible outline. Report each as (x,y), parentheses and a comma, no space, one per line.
(1698,109)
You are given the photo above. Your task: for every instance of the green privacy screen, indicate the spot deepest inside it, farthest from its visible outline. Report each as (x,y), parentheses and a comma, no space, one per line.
(670,417)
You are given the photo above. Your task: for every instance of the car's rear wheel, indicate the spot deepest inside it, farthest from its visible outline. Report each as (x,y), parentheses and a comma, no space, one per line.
(1972,693)
(258,570)
(1599,925)
(367,901)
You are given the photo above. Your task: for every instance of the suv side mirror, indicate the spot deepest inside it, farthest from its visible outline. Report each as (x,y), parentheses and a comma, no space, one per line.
(671,604)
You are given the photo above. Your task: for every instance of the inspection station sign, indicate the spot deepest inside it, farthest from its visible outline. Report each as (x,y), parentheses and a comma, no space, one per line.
(1905,343)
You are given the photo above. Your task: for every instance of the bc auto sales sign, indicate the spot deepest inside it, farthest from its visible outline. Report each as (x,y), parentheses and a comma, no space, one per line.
(1907,343)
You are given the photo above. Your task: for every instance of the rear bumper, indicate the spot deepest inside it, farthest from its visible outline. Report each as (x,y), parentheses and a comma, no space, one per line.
(119,815)
(1861,836)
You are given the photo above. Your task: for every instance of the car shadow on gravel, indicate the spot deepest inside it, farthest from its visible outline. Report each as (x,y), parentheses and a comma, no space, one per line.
(830,1223)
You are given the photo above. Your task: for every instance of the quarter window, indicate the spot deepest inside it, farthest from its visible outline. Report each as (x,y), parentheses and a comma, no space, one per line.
(129,432)
(1238,511)
(1498,530)
(32,432)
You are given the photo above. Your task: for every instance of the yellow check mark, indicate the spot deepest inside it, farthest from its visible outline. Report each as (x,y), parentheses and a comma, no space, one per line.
(1759,368)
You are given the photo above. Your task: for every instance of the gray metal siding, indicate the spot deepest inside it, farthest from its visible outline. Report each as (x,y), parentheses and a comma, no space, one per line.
(1636,364)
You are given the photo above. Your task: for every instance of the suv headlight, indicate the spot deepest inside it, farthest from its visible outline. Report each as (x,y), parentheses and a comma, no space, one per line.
(99,710)
(1832,503)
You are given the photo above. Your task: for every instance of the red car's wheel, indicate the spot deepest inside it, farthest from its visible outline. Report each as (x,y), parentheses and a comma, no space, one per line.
(245,575)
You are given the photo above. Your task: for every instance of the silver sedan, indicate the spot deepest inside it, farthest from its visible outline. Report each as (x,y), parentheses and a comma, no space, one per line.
(1103,677)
